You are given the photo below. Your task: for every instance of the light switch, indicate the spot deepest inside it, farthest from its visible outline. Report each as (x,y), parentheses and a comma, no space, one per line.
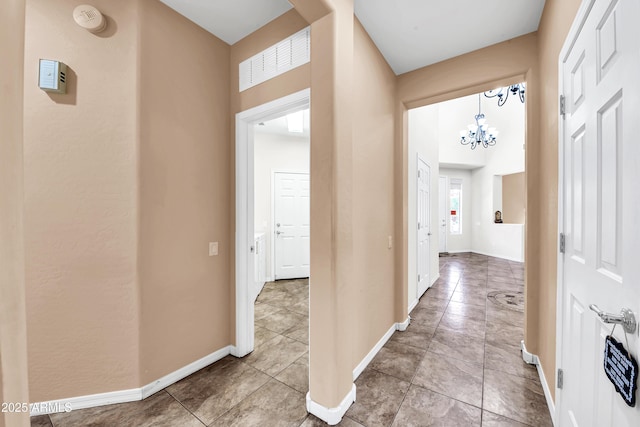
(390,242)
(213,248)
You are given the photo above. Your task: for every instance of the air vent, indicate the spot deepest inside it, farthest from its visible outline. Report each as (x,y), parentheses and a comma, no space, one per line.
(277,59)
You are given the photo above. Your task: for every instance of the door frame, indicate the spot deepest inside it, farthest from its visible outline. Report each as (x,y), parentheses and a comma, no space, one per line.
(418,160)
(576,26)
(446,223)
(273,213)
(244,192)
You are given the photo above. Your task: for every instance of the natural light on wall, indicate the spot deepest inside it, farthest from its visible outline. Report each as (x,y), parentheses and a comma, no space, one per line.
(295,122)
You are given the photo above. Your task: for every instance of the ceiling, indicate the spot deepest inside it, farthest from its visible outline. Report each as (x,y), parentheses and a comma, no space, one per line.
(410,33)
(279,126)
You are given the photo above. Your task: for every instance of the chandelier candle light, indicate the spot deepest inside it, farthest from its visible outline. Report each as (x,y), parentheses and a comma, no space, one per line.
(480,132)
(503,93)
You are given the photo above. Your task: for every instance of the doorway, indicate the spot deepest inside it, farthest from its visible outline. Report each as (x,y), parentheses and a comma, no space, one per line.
(291,254)
(423,226)
(245,211)
(442,214)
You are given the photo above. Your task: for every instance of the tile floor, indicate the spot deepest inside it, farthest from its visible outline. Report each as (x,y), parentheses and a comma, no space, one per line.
(458,364)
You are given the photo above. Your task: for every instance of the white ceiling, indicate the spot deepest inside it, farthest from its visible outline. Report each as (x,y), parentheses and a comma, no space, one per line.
(410,33)
(279,126)
(414,33)
(230,20)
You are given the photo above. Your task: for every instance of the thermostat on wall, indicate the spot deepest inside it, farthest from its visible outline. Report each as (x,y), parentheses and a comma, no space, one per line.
(53,76)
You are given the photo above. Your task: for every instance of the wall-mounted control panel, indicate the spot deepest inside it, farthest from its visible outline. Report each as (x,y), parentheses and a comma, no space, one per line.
(52,76)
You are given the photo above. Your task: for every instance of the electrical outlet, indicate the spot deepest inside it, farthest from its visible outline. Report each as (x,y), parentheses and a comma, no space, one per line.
(213,248)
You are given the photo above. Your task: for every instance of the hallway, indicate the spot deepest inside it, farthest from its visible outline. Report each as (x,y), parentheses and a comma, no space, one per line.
(457,364)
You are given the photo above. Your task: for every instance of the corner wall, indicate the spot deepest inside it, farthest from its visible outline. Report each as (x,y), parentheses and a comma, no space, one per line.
(80,169)
(184,197)
(14,385)
(373,213)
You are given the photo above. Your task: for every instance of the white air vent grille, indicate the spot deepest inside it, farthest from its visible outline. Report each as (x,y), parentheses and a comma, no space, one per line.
(277,59)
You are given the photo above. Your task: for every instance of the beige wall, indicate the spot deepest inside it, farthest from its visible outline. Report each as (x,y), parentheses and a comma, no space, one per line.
(125,185)
(556,20)
(13,345)
(184,193)
(81,204)
(513,198)
(373,213)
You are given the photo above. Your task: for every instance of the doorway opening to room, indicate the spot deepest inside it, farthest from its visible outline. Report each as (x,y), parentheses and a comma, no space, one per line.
(272,238)
(470,242)
(473,147)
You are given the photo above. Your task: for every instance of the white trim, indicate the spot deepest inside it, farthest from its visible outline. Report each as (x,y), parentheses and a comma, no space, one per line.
(402,326)
(376,348)
(576,26)
(89,401)
(533,359)
(413,305)
(184,372)
(461,251)
(529,358)
(244,209)
(331,416)
(131,395)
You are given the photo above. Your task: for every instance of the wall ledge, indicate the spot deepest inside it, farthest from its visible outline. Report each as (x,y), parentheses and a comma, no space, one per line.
(124,396)
(331,416)
(533,359)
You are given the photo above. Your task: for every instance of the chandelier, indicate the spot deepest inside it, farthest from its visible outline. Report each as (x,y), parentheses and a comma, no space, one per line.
(503,93)
(480,132)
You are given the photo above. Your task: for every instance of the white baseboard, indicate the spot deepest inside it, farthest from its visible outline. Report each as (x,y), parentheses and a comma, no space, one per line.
(331,416)
(403,325)
(376,348)
(183,372)
(413,305)
(123,396)
(532,359)
(498,256)
(89,401)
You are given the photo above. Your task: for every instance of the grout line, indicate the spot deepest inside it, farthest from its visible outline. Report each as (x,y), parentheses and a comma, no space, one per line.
(187,409)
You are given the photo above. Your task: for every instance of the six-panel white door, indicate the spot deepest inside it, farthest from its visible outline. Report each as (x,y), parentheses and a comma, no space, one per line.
(291,225)
(600,201)
(423,226)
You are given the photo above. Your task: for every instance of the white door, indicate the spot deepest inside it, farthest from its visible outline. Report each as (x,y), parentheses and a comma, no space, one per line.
(423,226)
(442,217)
(600,202)
(291,225)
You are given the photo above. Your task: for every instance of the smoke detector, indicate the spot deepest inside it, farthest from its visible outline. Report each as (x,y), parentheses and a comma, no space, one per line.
(89,18)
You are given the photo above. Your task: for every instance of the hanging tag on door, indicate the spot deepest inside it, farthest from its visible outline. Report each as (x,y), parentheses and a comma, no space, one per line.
(621,369)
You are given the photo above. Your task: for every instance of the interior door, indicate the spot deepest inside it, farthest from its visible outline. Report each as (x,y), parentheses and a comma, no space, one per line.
(291,225)
(423,226)
(442,214)
(600,67)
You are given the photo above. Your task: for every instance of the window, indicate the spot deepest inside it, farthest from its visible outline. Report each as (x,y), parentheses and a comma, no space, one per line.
(455,205)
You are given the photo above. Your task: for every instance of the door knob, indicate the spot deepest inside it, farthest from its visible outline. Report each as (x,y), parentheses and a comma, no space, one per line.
(428,234)
(626,318)
(278,225)
(278,232)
